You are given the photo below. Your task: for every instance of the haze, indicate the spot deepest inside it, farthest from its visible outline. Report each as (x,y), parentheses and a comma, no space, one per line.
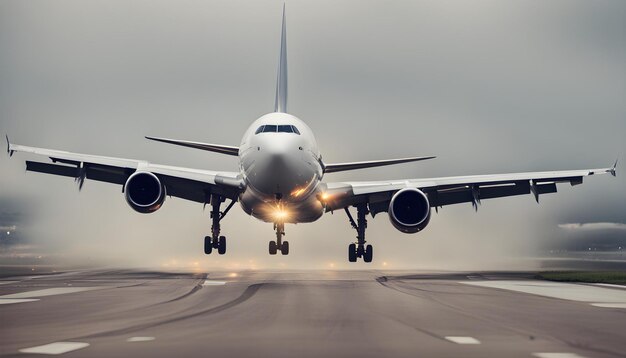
(487,86)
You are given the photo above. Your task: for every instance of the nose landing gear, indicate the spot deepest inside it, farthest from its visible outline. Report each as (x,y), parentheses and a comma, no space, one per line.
(359,249)
(283,246)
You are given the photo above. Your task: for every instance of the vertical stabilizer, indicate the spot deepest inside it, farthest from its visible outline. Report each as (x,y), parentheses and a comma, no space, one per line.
(281,81)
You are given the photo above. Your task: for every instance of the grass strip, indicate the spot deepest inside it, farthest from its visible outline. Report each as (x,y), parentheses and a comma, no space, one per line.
(612,277)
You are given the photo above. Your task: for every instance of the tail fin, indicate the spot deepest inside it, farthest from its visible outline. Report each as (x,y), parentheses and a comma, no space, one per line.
(280,105)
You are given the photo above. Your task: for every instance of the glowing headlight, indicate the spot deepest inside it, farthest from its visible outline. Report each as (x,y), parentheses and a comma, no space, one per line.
(281,214)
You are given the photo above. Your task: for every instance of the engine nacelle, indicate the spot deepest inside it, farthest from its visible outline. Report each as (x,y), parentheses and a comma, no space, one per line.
(144,192)
(409,210)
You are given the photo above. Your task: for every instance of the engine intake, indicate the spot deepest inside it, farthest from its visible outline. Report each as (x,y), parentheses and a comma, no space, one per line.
(409,210)
(144,192)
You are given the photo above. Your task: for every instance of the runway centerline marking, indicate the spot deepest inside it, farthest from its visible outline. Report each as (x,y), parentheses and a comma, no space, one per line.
(140,339)
(55,348)
(51,292)
(7,282)
(9,301)
(462,340)
(557,355)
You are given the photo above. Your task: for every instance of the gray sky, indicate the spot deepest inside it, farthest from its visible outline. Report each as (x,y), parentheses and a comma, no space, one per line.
(487,86)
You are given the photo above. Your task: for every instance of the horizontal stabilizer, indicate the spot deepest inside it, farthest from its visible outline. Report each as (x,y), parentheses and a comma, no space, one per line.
(218,148)
(340,167)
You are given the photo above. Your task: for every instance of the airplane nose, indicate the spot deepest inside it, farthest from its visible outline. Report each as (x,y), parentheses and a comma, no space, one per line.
(277,163)
(281,169)
(274,148)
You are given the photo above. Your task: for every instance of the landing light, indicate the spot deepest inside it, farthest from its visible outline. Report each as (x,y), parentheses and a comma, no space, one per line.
(325,196)
(281,214)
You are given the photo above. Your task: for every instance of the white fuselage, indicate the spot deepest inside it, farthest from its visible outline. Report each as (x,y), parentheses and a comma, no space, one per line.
(282,170)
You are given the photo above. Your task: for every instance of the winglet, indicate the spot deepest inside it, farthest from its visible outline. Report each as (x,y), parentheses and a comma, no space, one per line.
(613,170)
(280,105)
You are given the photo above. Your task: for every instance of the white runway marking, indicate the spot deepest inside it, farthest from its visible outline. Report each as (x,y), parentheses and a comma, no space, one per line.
(463,340)
(557,355)
(55,348)
(565,291)
(140,339)
(622,287)
(8,301)
(7,282)
(213,283)
(50,292)
(609,305)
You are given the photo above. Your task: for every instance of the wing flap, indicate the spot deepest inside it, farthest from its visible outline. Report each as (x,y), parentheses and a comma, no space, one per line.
(47,168)
(107,173)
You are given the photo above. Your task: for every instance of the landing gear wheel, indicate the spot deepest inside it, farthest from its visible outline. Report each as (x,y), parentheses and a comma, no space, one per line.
(369,252)
(352,252)
(284,249)
(208,245)
(359,249)
(273,248)
(221,245)
(215,241)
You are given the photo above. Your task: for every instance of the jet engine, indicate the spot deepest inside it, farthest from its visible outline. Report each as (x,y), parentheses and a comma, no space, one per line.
(144,192)
(409,210)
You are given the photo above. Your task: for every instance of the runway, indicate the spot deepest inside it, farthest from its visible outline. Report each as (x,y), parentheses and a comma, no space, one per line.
(104,313)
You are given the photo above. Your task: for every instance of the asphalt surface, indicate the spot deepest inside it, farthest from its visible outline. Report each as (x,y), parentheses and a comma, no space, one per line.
(300,314)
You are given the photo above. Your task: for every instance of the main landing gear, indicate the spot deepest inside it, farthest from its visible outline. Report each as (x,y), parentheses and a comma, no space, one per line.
(359,249)
(283,246)
(215,241)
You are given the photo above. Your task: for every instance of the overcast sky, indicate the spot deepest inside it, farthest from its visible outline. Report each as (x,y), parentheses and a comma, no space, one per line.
(487,86)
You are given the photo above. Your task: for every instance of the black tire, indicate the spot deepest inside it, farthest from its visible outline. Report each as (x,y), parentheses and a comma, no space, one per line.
(221,245)
(285,248)
(369,253)
(273,248)
(208,245)
(352,253)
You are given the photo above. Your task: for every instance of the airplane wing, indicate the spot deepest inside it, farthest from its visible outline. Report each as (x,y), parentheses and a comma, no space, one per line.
(455,190)
(340,167)
(217,148)
(186,183)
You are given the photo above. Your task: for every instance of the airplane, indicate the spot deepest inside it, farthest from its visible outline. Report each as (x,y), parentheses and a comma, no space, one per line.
(280,180)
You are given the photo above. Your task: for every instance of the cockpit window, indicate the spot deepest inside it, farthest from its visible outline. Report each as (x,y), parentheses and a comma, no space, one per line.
(283,128)
(269,128)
